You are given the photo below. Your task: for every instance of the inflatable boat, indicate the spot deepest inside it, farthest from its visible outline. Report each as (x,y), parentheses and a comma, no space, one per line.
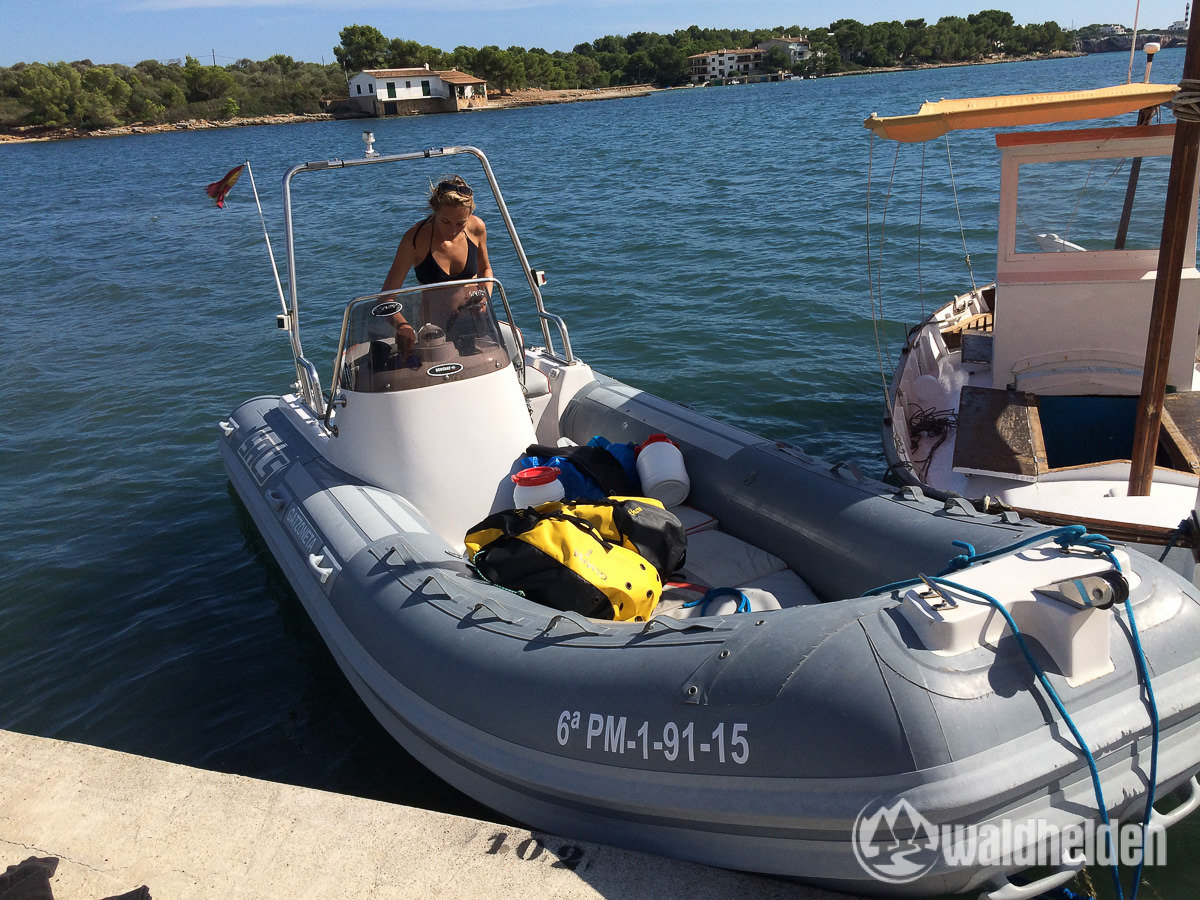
(869,676)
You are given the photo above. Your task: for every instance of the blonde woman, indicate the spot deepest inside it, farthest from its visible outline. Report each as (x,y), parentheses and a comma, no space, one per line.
(448,245)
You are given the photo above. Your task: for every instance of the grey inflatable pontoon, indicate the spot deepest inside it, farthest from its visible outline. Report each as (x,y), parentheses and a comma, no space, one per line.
(833,731)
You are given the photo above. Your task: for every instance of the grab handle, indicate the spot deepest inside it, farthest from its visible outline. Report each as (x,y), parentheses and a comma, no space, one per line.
(316,563)
(1010,891)
(1189,804)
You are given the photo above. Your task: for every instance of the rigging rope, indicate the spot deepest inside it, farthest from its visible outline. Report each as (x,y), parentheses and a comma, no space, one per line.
(874,272)
(958,211)
(920,231)
(1186,104)
(1133,41)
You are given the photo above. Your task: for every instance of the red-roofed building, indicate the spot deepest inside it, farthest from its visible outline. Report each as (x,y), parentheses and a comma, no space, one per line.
(390,92)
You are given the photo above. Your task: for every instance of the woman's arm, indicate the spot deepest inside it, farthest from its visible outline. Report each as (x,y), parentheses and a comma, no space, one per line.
(406,336)
(485,267)
(403,261)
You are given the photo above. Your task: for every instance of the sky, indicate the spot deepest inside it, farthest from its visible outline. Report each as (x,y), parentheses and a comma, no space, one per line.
(224,31)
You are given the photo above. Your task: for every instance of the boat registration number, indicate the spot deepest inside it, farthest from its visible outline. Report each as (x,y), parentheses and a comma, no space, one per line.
(672,741)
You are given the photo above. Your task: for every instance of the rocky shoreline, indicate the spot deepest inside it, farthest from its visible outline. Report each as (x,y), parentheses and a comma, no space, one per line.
(541,96)
(531,97)
(32,133)
(512,100)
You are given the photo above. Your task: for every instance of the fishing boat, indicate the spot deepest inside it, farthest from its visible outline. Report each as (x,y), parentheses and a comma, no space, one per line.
(838,671)
(1030,393)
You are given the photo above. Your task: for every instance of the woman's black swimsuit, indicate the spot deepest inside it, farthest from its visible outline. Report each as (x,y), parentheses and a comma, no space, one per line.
(429,272)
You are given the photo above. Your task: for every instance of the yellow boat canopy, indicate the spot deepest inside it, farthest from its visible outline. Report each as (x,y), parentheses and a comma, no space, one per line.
(937,118)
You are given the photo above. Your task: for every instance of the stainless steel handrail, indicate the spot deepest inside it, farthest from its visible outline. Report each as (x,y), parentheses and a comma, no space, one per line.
(311,390)
(308,380)
(567,357)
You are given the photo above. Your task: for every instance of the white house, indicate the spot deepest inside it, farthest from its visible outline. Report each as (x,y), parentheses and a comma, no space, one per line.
(389,92)
(716,64)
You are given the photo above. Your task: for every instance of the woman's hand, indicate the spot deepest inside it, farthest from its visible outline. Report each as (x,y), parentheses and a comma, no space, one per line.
(477,301)
(406,338)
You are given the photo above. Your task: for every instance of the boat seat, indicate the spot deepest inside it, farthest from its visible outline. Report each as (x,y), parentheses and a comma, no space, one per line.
(694,520)
(785,586)
(780,590)
(716,559)
(536,383)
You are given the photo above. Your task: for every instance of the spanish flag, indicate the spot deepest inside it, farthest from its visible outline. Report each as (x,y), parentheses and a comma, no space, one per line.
(218,189)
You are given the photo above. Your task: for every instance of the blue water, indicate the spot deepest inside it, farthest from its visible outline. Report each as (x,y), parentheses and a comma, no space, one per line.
(707,245)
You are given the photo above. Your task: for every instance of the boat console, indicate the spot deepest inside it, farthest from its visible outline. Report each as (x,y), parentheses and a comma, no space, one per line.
(420,338)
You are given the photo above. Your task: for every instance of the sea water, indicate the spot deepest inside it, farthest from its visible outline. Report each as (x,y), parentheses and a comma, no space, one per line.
(709,245)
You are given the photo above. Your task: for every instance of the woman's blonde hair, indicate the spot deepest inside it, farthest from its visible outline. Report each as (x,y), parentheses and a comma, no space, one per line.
(451,191)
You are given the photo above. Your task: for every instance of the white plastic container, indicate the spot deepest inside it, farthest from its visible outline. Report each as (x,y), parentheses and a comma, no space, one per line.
(536,485)
(661,469)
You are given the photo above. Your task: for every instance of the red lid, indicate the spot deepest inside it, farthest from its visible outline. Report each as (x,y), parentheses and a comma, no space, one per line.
(535,476)
(655,439)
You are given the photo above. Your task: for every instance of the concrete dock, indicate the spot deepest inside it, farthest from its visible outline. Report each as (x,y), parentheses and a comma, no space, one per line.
(117,821)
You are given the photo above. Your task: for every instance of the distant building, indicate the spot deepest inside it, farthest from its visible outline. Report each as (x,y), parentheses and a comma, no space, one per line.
(798,48)
(390,92)
(1113,30)
(721,65)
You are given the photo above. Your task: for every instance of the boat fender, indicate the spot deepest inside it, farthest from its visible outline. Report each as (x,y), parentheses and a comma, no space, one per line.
(563,562)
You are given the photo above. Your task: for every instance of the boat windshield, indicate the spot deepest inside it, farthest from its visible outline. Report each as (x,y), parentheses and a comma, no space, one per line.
(420,336)
(1073,205)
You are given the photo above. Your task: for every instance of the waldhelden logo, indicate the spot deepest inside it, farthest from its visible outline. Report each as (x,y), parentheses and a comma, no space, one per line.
(895,843)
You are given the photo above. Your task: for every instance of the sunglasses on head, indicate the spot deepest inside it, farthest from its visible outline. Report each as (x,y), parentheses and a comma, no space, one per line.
(457,187)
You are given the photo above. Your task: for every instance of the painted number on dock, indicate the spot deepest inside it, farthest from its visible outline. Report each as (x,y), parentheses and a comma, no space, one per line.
(566,856)
(672,741)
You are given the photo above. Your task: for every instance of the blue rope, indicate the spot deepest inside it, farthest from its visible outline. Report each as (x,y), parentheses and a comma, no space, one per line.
(1066,537)
(1152,705)
(743,604)
(1059,705)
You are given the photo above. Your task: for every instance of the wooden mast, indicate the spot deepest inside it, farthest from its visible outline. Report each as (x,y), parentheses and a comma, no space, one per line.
(1180,188)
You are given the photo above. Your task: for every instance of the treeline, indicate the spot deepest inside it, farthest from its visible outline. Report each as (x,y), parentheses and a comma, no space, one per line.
(663,58)
(83,95)
(991,33)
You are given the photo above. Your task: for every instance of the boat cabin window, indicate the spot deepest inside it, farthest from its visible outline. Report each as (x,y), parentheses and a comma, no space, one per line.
(1069,206)
(418,338)
(1095,191)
